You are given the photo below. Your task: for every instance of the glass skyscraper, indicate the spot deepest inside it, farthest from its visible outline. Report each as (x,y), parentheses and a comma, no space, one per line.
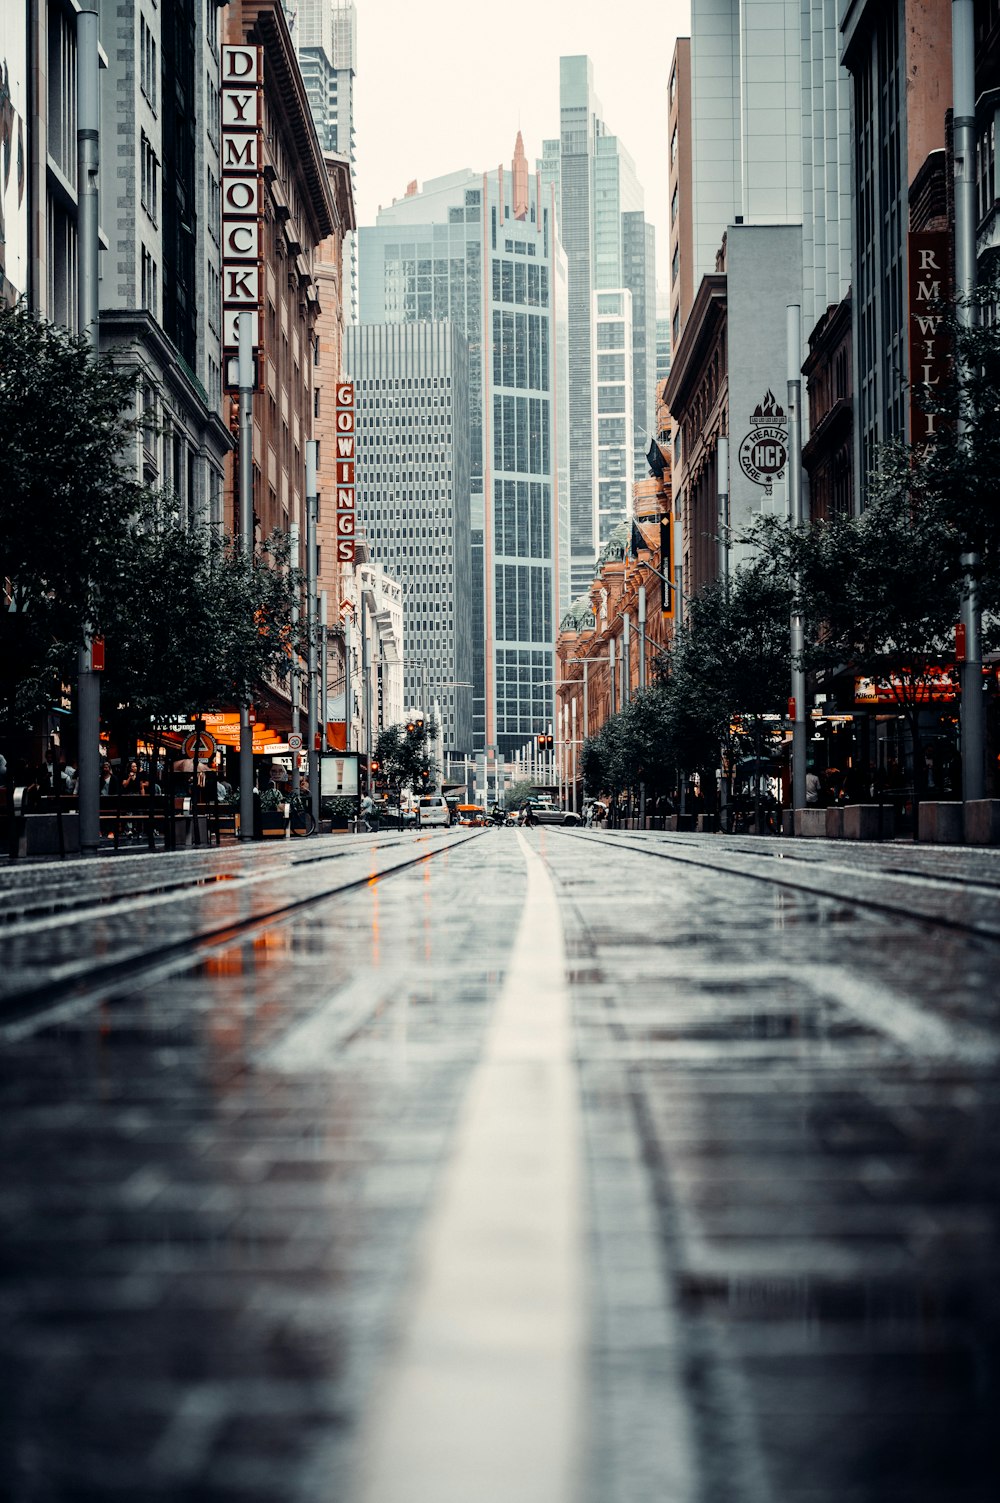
(482,251)
(326,39)
(610,249)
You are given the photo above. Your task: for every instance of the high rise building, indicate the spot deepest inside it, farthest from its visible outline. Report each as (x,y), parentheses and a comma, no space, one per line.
(161,288)
(412,399)
(482,250)
(326,39)
(610,248)
(770,134)
(680,186)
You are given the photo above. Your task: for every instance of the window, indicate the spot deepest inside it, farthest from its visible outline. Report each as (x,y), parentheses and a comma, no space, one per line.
(150,168)
(675,265)
(674,205)
(147,62)
(673,147)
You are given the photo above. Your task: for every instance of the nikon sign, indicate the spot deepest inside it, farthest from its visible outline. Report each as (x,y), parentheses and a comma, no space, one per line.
(242,201)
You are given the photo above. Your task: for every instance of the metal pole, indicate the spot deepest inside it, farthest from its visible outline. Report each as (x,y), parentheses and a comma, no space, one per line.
(963,73)
(800,743)
(294,685)
(612,673)
(88,115)
(586,702)
(572,743)
(642,637)
(324,672)
(366,719)
(246,383)
(312,499)
(722,457)
(626,658)
(348,686)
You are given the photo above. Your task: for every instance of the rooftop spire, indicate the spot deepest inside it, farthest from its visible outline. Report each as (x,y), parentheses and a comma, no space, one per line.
(519,171)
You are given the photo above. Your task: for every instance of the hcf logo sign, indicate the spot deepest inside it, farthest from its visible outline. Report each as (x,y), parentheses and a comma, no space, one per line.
(242,200)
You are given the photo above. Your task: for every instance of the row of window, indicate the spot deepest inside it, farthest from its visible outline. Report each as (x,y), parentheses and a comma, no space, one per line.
(522,518)
(523,603)
(147,63)
(521,435)
(520,350)
(515,282)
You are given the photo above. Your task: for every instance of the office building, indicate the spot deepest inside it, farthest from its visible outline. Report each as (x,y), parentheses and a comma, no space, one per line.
(609,248)
(482,251)
(326,40)
(411,385)
(680,187)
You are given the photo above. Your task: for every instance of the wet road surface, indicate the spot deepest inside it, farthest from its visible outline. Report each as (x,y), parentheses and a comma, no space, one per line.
(577,1168)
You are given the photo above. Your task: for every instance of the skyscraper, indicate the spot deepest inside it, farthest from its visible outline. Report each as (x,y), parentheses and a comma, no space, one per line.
(326,40)
(412,402)
(482,250)
(610,249)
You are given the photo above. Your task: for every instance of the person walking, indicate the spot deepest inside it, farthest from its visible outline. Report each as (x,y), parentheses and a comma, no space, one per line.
(367,805)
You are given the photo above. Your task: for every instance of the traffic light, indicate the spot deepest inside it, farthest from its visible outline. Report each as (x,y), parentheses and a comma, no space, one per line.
(544,742)
(425,773)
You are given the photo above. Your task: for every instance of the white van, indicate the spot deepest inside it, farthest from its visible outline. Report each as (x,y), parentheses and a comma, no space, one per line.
(433,810)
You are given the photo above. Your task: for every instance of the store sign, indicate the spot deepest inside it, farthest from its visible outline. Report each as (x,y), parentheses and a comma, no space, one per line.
(345,460)
(242,203)
(937,686)
(929,255)
(764,451)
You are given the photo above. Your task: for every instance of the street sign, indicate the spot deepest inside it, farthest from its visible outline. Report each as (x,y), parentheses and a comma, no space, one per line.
(203,745)
(295,742)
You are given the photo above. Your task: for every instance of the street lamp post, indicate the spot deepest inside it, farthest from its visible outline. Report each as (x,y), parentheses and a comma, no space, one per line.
(312,507)
(294,678)
(963,73)
(800,743)
(88,119)
(246,384)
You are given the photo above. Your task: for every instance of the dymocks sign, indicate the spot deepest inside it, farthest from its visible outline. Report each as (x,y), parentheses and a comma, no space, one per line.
(242,202)
(346,454)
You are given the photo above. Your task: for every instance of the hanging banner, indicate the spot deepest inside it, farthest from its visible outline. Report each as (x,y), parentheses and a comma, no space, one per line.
(345,459)
(242,204)
(929,257)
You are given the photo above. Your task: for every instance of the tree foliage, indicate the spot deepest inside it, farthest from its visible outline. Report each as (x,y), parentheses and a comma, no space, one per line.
(192,622)
(403,753)
(68,501)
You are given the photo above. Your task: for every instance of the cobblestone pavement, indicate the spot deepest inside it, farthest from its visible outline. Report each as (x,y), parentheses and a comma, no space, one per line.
(567,1168)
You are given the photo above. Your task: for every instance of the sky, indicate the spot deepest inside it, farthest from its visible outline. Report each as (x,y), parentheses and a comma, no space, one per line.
(446,84)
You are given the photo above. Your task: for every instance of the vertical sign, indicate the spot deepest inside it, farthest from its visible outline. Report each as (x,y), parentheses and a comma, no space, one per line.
(345,472)
(242,202)
(929,254)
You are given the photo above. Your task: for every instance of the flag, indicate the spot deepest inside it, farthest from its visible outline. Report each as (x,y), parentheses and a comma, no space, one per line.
(638,541)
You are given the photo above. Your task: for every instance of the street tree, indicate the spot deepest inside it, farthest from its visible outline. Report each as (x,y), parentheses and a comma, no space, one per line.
(69,502)
(403,753)
(192,622)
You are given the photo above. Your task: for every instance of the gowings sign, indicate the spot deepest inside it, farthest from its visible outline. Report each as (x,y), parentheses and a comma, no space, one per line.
(764,451)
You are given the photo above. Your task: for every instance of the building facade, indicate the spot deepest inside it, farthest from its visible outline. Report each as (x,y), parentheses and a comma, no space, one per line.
(326,39)
(482,251)
(610,248)
(412,398)
(680,187)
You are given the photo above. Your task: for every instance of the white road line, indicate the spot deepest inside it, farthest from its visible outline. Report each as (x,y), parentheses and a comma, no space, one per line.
(483,1398)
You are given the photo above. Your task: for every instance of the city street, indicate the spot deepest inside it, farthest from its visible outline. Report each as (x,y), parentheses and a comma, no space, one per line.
(482,1166)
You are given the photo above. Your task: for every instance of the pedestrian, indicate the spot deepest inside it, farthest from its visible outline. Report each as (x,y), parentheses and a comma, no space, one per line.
(814,787)
(108,783)
(132,782)
(366,811)
(589,817)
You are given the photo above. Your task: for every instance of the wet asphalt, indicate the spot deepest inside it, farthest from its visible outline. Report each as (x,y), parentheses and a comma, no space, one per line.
(571,1167)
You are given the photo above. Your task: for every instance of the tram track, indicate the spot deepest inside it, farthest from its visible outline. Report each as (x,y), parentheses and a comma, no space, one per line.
(970,907)
(46,988)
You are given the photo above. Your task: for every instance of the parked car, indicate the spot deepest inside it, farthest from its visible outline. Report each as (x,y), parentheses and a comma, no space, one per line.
(548,813)
(433,810)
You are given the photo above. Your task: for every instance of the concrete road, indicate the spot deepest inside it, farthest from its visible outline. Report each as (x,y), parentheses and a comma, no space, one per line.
(502,1168)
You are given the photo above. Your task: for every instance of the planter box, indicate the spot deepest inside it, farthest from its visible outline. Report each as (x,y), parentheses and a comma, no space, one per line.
(810,824)
(41,834)
(941,823)
(982,821)
(834,823)
(788,821)
(670,822)
(272,829)
(861,822)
